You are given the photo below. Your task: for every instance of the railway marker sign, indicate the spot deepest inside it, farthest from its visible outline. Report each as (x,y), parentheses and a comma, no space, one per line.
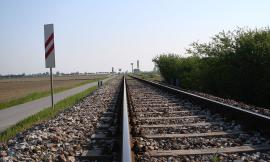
(49,52)
(49,46)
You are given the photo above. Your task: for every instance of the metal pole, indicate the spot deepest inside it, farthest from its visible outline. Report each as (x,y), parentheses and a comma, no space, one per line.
(51,76)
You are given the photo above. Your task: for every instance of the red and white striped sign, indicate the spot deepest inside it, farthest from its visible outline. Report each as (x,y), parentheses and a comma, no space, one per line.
(49,46)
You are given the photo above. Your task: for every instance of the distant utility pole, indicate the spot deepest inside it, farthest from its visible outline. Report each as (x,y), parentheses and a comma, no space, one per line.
(49,52)
(131,67)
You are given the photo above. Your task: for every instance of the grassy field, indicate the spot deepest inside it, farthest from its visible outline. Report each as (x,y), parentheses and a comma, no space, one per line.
(44,115)
(150,76)
(21,90)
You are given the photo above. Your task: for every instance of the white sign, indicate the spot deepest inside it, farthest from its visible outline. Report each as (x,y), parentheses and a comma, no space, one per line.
(49,46)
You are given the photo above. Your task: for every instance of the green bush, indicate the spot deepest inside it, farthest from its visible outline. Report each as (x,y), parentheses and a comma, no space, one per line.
(234,64)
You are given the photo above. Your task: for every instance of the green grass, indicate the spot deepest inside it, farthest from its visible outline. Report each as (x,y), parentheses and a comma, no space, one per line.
(37,95)
(214,158)
(44,115)
(150,76)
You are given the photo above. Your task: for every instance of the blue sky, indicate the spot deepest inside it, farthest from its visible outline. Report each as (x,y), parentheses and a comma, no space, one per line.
(95,35)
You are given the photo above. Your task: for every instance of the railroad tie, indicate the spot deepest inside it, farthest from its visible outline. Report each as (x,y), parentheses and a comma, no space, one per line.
(238,149)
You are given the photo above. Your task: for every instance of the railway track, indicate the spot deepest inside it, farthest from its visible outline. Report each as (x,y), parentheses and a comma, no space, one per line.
(135,120)
(166,127)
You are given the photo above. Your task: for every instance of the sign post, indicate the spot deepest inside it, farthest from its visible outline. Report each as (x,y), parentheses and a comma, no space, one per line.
(49,52)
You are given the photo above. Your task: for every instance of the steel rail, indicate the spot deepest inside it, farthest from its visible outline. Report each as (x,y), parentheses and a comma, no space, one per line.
(248,118)
(126,149)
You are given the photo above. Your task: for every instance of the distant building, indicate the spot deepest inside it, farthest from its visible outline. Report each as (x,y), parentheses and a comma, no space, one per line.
(136,70)
(155,68)
(102,73)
